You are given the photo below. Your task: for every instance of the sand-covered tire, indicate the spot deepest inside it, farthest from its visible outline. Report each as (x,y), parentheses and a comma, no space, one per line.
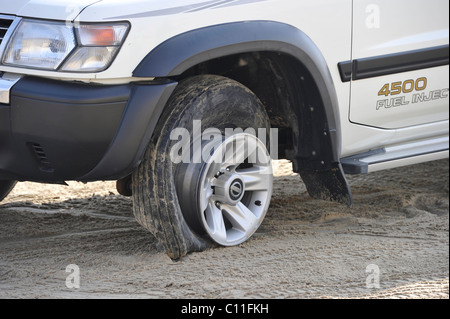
(167,188)
(5,188)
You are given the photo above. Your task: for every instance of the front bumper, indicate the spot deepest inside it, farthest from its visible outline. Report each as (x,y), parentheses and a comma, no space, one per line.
(54,131)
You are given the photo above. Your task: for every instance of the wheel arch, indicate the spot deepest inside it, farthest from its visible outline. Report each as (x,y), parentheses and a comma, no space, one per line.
(311,109)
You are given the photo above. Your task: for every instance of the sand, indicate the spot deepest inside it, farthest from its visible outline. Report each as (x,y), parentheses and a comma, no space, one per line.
(393,243)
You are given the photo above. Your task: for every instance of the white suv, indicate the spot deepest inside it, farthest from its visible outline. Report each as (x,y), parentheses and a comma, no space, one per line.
(177,100)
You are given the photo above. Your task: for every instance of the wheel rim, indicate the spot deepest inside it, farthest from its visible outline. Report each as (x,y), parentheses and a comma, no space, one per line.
(233,189)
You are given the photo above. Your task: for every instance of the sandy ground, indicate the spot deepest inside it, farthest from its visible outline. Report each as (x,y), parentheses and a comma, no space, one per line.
(399,225)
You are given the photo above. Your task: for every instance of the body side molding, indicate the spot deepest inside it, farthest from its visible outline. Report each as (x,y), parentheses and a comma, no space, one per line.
(394,63)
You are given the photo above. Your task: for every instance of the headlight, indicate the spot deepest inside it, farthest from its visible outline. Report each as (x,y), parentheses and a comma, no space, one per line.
(39,44)
(60,46)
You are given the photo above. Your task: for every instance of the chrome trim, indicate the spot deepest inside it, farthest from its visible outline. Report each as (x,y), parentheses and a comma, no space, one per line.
(11,29)
(7,81)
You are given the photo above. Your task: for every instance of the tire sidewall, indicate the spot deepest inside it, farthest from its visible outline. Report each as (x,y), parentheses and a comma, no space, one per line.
(217,102)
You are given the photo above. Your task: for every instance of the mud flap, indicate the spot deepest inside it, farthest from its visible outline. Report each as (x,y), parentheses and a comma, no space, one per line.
(328,185)
(5,188)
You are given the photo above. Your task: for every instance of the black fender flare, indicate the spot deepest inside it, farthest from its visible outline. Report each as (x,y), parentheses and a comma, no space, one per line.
(179,53)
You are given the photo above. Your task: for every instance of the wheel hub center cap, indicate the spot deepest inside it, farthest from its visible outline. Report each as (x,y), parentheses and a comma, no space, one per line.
(229,188)
(236,189)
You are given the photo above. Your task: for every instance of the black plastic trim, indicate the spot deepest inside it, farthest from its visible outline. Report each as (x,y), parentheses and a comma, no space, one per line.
(345,70)
(54,130)
(394,63)
(134,133)
(69,92)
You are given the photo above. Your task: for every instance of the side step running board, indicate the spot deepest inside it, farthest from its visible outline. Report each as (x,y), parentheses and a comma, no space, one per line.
(396,156)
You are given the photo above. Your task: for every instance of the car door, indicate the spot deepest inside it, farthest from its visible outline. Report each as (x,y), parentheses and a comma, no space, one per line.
(399,68)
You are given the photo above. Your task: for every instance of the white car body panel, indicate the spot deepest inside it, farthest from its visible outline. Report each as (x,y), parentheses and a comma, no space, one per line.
(45,9)
(402,25)
(391,34)
(384,27)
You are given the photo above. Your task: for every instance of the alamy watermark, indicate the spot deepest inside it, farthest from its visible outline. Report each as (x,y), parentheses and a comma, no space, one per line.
(373,19)
(73,279)
(373,279)
(202,145)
